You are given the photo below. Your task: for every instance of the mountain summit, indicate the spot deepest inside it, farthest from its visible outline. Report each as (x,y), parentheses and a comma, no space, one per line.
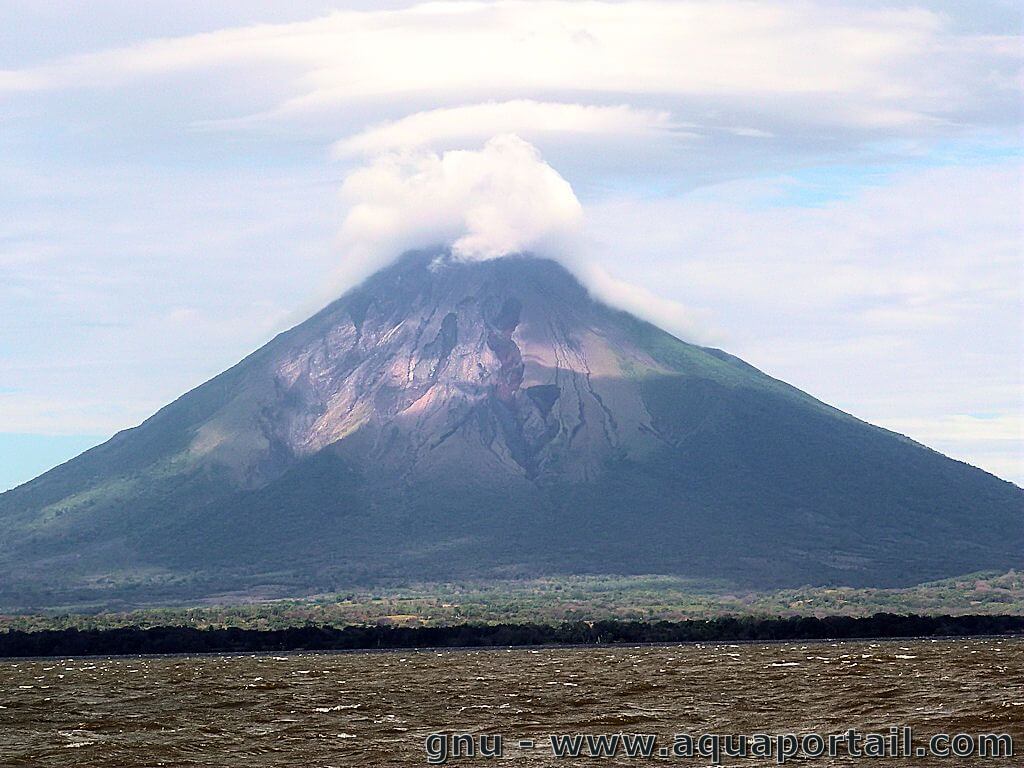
(451,420)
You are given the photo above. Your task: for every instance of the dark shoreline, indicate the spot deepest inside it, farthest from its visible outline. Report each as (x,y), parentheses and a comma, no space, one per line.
(189,640)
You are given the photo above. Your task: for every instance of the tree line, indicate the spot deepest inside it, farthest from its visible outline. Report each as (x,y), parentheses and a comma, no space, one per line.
(174,639)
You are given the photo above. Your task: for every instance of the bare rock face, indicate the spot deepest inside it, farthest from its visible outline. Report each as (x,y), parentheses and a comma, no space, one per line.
(438,366)
(450,420)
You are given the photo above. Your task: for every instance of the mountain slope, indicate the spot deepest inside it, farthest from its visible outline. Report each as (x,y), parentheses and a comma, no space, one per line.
(451,420)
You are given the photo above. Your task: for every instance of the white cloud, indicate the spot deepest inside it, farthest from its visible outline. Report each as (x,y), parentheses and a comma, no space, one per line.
(964,428)
(472,123)
(818,63)
(993,443)
(915,246)
(124,287)
(671,315)
(482,203)
(899,301)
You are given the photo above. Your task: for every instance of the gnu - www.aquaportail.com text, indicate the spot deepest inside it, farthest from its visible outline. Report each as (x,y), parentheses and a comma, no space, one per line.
(897,742)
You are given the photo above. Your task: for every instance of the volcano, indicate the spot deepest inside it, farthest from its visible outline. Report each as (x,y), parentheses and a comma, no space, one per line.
(452,420)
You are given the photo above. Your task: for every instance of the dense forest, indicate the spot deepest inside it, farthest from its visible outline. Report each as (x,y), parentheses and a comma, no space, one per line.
(155,640)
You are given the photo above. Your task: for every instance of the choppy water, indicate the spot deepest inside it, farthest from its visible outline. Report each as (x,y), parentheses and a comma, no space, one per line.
(376,709)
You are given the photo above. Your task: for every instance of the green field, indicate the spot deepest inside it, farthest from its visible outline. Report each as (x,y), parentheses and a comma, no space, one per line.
(557,600)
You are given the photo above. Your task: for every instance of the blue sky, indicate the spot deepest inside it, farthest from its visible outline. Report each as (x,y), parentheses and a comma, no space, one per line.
(831,191)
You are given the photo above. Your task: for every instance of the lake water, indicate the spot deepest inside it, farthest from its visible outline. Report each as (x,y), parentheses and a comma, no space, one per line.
(378,709)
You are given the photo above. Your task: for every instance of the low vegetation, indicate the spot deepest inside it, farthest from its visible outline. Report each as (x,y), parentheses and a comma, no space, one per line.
(556,601)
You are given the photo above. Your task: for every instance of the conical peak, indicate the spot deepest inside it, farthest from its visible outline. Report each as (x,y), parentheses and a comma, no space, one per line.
(433,269)
(468,419)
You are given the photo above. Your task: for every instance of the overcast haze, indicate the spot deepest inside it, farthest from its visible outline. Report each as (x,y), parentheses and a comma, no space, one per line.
(831,191)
